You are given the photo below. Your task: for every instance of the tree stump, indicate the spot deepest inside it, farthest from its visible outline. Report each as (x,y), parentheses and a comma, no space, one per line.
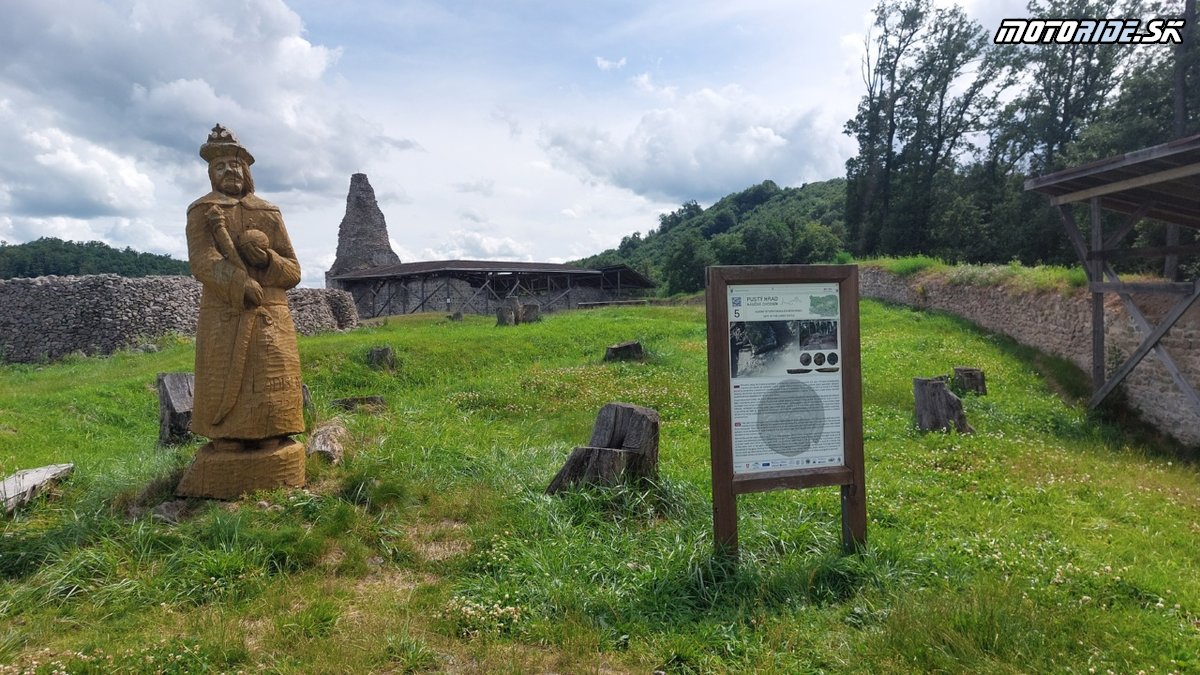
(457,316)
(381,358)
(531,312)
(970,379)
(306,395)
(937,407)
(504,316)
(515,305)
(623,447)
(175,396)
(625,351)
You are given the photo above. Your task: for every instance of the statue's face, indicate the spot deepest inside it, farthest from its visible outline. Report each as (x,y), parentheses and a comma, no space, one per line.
(227,176)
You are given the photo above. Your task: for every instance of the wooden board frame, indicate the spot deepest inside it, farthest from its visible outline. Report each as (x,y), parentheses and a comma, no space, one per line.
(726,486)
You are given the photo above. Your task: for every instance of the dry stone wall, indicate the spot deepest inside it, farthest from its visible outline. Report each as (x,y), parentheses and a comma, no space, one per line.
(49,317)
(1061,325)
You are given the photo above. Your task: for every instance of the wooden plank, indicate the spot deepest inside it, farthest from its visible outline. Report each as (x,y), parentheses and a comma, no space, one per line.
(1127,227)
(725,534)
(1076,239)
(1143,252)
(1122,162)
(774,480)
(21,487)
(1127,184)
(1098,357)
(1147,344)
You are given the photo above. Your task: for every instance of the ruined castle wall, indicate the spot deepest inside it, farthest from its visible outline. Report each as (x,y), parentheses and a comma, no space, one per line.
(1061,325)
(49,317)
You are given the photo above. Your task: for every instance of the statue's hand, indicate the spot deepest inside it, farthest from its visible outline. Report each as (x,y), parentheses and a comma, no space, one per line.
(254,293)
(253,247)
(215,217)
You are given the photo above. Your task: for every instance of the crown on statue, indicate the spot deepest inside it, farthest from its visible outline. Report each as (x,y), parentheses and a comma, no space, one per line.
(222,143)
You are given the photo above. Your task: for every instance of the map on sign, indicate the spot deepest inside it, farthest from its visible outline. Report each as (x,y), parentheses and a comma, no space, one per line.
(785,376)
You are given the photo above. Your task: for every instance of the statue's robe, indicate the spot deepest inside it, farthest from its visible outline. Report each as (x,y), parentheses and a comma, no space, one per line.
(267,399)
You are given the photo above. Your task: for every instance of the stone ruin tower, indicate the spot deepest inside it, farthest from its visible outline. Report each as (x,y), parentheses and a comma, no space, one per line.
(362,236)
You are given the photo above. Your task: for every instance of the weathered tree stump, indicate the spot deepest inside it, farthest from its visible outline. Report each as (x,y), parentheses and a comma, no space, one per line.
(21,487)
(625,351)
(175,397)
(326,441)
(937,407)
(970,379)
(505,316)
(355,402)
(381,358)
(306,395)
(531,312)
(623,447)
(514,304)
(457,316)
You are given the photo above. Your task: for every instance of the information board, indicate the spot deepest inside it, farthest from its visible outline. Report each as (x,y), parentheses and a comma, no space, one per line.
(785,387)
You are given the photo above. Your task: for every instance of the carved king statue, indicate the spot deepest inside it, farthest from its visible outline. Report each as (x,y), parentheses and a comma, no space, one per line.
(248,399)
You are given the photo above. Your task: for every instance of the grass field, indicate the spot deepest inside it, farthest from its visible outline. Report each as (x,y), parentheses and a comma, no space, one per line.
(1046,542)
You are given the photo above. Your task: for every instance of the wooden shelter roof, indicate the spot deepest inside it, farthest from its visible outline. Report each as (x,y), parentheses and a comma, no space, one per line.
(1165,177)
(608,275)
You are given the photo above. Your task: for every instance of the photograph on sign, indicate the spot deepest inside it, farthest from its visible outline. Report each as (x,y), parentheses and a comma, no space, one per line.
(785,377)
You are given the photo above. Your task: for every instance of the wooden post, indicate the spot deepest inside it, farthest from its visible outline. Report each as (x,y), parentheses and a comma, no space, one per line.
(1097,299)
(970,379)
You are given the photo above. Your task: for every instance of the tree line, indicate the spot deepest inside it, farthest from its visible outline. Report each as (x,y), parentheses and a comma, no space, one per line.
(949,127)
(49,255)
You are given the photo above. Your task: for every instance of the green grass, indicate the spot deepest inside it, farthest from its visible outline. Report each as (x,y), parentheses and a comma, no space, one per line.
(1048,541)
(1014,276)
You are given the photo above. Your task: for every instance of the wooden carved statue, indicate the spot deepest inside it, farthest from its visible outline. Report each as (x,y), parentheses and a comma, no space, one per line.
(248,399)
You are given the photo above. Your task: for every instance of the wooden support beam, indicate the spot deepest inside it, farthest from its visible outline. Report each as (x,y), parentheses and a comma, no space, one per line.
(1076,239)
(1135,287)
(1164,356)
(1098,371)
(1148,343)
(1130,183)
(1130,223)
(425,297)
(1143,252)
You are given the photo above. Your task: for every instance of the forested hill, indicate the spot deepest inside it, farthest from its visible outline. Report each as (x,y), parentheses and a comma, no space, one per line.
(763,224)
(49,255)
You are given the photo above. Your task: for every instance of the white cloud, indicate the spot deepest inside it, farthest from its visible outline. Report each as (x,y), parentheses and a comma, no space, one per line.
(473,245)
(483,187)
(606,65)
(645,83)
(710,143)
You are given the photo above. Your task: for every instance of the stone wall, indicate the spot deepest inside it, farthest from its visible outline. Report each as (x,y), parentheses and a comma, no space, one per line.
(49,317)
(1061,325)
(395,297)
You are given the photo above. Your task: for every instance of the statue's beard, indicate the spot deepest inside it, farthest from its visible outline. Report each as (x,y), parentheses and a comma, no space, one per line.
(233,186)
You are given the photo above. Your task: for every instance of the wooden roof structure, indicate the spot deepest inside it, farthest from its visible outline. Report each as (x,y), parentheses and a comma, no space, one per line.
(480,269)
(1161,182)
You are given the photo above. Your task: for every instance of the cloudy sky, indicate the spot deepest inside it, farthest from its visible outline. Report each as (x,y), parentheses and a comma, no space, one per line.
(522,130)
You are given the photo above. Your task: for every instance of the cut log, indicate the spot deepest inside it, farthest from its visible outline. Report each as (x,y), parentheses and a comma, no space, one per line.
(381,358)
(515,305)
(624,351)
(623,447)
(354,402)
(531,312)
(504,316)
(21,487)
(175,398)
(970,379)
(457,316)
(937,407)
